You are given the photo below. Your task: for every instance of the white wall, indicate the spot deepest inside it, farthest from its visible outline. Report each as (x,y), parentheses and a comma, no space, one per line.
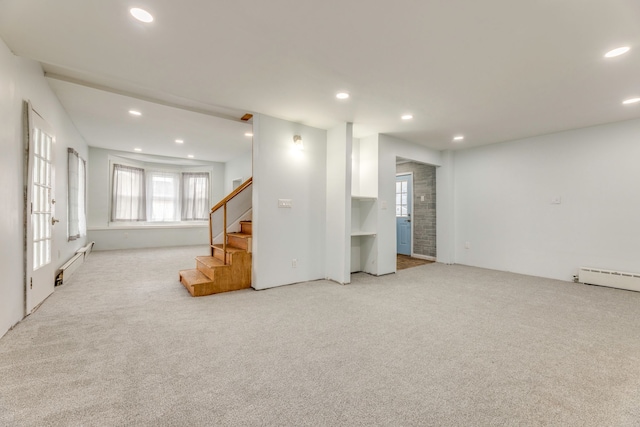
(445,209)
(355,166)
(338,193)
(110,236)
(503,202)
(22,79)
(281,172)
(239,167)
(368,166)
(389,149)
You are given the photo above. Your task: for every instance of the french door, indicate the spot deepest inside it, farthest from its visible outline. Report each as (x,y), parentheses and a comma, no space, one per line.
(40,220)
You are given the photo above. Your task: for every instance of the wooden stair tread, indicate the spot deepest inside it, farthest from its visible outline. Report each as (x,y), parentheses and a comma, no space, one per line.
(240,235)
(194,277)
(246,220)
(230,249)
(210,261)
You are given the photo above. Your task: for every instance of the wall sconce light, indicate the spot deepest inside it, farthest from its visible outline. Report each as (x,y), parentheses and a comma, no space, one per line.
(297,142)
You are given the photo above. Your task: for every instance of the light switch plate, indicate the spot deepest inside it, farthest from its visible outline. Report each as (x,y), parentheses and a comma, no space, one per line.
(285,203)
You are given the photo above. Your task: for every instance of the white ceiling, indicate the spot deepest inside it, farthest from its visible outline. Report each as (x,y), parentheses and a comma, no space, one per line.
(104,120)
(492,70)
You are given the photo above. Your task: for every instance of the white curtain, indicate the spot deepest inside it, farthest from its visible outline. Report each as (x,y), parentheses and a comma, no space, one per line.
(128,199)
(195,196)
(77,217)
(163,195)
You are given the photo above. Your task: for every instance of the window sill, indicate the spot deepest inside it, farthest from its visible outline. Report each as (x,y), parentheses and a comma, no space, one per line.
(148,226)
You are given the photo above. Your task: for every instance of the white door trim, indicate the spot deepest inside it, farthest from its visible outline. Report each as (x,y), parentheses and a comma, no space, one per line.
(412,203)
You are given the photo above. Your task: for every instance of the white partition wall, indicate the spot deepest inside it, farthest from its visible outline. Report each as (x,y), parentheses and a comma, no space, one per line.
(445,209)
(339,147)
(288,242)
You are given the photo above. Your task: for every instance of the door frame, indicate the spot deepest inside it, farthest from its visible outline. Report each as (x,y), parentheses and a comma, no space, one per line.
(411,213)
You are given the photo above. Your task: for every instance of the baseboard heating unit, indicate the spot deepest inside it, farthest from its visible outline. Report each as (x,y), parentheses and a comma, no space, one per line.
(610,278)
(70,267)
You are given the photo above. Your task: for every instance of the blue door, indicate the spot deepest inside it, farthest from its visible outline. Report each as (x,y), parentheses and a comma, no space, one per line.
(404,191)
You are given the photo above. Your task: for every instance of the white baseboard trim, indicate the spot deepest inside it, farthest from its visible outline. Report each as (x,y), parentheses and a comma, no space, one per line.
(428,258)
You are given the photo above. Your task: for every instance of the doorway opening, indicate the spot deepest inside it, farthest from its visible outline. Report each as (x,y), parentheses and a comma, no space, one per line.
(415,213)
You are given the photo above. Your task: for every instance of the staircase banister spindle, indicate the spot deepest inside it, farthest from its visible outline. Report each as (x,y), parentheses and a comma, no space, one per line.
(211,232)
(224,239)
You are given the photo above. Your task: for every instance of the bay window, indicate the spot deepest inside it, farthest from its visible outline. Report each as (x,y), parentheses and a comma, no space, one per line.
(195,196)
(156,196)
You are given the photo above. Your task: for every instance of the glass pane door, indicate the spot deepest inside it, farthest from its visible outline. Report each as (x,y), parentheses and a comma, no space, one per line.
(41,216)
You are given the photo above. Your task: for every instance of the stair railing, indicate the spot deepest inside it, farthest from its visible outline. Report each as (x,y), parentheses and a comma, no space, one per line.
(223,204)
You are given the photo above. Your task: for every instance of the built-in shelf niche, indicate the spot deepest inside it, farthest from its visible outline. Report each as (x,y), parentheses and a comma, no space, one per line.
(363,233)
(363,218)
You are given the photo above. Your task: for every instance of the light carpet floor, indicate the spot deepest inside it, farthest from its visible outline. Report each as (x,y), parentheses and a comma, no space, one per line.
(124,344)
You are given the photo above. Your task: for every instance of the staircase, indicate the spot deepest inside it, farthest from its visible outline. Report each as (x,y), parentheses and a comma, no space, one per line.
(212,275)
(228,267)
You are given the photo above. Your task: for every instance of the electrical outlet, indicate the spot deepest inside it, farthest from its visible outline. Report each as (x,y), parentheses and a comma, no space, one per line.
(467,245)
(556,200)
(294,263)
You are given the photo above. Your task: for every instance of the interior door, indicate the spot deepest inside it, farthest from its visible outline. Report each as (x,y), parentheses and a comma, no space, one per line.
(40,272)
(404,190)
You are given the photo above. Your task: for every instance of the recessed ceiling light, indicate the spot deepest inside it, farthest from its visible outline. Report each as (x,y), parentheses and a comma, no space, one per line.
(137,149)
(407,117)
(631,101)
(190,156)
(179,141)
(342,95)
(458,138)
(135,113)
(617,52)
(141,15)
(248,134)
